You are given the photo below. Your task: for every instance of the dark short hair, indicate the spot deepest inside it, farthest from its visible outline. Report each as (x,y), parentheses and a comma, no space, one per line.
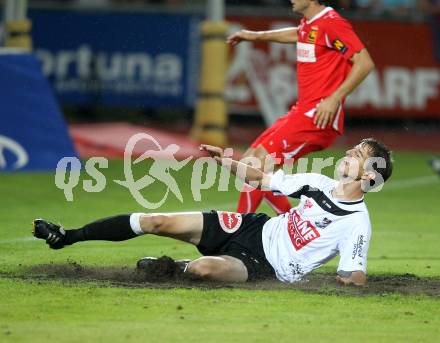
(380,150)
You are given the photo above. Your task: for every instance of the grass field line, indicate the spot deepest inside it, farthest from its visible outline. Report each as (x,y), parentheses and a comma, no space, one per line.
(413,182)
(17,240)
(392,185)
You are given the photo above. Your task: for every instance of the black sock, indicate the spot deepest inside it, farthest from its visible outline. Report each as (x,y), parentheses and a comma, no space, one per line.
(115,228)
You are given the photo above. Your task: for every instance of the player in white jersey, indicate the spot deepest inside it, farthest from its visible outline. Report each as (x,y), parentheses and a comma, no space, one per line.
(330,219)
(319,228)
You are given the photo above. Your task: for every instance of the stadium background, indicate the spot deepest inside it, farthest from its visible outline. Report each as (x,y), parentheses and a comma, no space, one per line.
(138,62)
(100,71)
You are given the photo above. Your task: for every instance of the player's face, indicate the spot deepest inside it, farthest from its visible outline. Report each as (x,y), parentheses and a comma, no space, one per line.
(299,6)
(352,166)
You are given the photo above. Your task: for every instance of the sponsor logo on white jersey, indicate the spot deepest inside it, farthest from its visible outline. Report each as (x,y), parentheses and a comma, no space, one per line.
(305,52)
(301,231)
(323,223)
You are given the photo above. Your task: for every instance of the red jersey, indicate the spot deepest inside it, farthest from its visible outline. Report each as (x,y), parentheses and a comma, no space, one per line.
(326,42)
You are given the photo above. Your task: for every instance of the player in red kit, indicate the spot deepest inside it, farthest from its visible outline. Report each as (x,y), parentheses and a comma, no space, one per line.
(331,63)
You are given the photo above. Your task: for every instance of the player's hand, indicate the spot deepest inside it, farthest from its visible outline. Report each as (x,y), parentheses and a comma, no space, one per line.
(325,112)
(348,281)
(343,280)
(242,35)
(212,150)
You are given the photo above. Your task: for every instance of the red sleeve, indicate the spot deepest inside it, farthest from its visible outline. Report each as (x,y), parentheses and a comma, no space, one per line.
(341,37)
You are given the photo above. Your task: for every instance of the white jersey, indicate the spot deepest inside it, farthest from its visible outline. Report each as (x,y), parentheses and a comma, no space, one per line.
(317,230)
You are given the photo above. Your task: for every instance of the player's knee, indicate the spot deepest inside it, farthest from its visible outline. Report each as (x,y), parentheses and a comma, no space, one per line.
(154,223)
(203,268)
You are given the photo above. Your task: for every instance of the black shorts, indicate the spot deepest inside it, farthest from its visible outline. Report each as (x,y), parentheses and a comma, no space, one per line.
(237,235)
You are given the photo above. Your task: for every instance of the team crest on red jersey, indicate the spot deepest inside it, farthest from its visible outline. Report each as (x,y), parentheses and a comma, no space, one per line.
(229,221)
(313,34)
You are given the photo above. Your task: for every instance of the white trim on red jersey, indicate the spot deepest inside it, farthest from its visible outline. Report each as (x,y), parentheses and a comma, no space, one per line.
(319,15)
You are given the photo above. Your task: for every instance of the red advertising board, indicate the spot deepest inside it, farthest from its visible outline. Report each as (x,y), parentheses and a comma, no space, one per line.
(406,82)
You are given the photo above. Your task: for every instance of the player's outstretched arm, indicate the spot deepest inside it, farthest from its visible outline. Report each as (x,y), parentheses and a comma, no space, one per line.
(253,176)
(286,35)
(357,278)
(212,150)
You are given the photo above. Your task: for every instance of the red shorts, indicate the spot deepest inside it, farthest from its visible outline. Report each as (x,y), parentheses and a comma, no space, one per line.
(294,135)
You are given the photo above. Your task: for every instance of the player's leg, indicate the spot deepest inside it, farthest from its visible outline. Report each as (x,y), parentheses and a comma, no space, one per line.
(284,139)
(116,228)
(279,203)
(213,233)
(219,268)
(187,227)
(213,268)
(183,226)
(295,138)
(232,247)
(249,198)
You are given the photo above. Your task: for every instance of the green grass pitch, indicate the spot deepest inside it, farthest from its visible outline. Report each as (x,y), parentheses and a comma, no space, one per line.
(406,239)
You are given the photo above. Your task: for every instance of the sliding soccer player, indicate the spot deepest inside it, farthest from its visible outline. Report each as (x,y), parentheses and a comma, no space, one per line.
(330,219)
